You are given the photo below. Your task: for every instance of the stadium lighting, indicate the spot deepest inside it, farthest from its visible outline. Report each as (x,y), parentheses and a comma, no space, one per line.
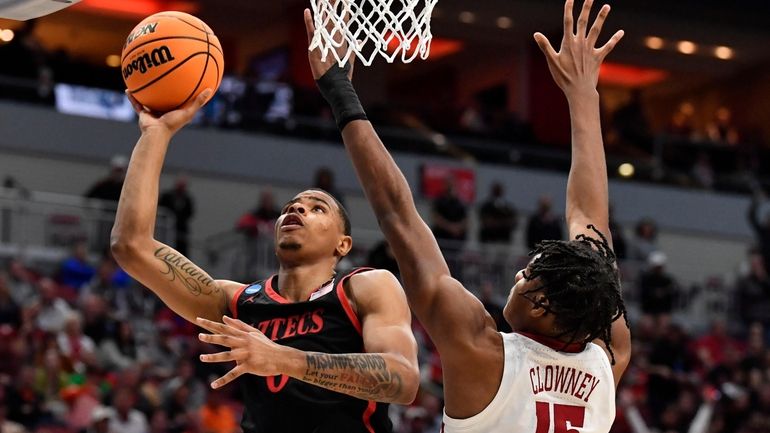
(504,22)
(6,35)
(686,47)
(626,170)
(724,53)
(113,60)
(654,42)
(466,17)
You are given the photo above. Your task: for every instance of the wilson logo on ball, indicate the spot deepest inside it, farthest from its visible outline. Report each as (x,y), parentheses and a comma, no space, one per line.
(157,57)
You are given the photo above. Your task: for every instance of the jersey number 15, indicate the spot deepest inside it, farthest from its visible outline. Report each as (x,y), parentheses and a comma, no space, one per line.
(565,417)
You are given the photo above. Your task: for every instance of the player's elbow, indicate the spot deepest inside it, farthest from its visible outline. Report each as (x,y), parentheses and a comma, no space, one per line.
(410,386)
(123,247)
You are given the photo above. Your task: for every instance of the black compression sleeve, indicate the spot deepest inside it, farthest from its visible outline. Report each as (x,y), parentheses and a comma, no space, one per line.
(338,91)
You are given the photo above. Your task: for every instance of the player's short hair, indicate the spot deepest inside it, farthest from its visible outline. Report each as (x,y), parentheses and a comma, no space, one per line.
(342,211)
(581,283)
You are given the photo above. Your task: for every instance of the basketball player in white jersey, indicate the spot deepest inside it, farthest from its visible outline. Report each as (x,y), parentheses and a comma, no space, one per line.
(558,371)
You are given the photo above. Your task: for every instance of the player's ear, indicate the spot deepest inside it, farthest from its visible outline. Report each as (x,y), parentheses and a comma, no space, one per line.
(539,305)
(344,246)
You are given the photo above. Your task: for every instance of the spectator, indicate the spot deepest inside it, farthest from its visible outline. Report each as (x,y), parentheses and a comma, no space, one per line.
(14,353)
(51,311)
(631,125)
(119,352)
(7,426)
(498,217)
(145,395)
(658,289)
(109,188)
(753,293)
(12,185)
(703,171)
(324,179)
(669,363)
(10,313)
(76,271)
(96,321)
(258,226)
(100,420)
(180,410)
(711,349)
(721,129)
(645,240)
(78,348)
(473,118)
(165,354)
(23,399)
(618,237)
(22,283)
(126,418)
(82,400)
(260,220)
(113,285)
(195,390)
(450,218)
(381,257)
(159,422)
(51,376)
(544,224)
(761,229)
(217,417)
(494,306)
(434,412)
(179,202)
(682,122)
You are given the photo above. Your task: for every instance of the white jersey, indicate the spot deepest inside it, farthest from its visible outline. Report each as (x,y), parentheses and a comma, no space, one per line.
(546,390)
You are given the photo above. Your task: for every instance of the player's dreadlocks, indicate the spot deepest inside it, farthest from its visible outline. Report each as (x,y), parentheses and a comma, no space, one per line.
(581,283)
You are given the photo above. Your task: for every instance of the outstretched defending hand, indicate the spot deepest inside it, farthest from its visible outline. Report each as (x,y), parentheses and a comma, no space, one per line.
(318,66)
(251,350)
(575,68)
(172,121)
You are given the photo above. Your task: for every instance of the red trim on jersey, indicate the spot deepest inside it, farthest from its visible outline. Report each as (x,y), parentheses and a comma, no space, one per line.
(555,344)
(234,301)
(346,303)
(275,296)
(368,415)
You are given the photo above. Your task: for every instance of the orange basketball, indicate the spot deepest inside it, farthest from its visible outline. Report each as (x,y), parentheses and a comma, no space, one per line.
(169,59)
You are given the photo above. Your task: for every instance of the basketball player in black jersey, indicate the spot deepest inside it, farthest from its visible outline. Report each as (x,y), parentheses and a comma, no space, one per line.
(568,296)
(316,352)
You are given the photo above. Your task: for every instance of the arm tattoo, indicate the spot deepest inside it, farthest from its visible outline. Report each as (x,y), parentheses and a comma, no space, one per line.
(179,268)
(366,376)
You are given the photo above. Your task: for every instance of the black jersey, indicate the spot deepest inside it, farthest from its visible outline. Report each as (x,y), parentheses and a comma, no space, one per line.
(326,323)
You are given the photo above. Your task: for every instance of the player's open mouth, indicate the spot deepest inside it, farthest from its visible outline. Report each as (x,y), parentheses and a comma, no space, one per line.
(291,222)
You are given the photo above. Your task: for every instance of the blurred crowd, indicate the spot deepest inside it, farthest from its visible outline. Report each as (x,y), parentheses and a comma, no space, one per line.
(87,349)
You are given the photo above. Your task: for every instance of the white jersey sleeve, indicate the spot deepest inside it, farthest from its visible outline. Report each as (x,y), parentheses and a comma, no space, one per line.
(547,390)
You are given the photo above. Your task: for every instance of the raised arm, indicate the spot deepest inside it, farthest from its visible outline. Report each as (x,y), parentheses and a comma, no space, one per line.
(179,283)
(575,68)
(445,308)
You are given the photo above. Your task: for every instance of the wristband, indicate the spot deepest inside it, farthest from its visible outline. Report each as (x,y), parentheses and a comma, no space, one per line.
(338,91)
